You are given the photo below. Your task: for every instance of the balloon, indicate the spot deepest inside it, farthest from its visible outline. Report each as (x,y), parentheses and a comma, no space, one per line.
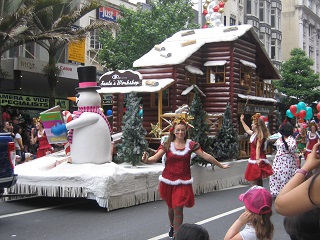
(318,115)
(308,116)
(302,114)
(318,107)
(263,118)
(289,114)
(301,106)
(293,109)
(109,112)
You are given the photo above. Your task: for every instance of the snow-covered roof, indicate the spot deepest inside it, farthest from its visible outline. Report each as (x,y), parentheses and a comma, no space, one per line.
(262,99)
(249,64)
(158,84)
(194,70)
(215,63)
(192,42)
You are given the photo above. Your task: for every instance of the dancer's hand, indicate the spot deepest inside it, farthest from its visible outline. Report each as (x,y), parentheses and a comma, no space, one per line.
(225,166)
(145,157)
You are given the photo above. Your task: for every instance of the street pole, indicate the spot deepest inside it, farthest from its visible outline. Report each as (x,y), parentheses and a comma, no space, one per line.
(200,12)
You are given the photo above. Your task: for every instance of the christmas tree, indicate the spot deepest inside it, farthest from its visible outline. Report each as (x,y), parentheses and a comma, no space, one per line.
(133,142)
(226,143)
(201,127)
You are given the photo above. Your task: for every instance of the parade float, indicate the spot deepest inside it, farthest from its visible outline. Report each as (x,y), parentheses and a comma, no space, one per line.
(211,59)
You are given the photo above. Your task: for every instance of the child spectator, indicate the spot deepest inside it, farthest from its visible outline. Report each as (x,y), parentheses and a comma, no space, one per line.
(188,231)
(257,217)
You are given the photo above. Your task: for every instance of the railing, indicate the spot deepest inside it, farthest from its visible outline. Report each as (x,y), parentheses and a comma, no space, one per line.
(264,90)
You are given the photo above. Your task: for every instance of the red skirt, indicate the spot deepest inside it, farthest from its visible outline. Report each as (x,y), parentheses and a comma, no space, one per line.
(43,152)
(256,172)
(177,195)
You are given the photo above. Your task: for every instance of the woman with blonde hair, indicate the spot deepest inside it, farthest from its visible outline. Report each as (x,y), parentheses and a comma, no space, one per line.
(312,138)
(258,165)
(40,136)
(175,185)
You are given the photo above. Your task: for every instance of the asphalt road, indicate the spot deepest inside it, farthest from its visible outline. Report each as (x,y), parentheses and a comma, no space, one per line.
(68,219)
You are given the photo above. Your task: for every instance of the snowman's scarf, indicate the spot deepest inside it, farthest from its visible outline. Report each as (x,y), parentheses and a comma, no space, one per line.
(94,109)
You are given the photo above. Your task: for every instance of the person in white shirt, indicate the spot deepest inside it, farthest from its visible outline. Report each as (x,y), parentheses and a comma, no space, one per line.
(256,219)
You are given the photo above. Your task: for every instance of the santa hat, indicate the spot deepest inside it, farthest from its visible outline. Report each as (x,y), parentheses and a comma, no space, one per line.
(87,78)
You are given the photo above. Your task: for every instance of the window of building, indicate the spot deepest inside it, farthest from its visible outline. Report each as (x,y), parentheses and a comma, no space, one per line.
(273,49)
(94,38)
(248,6)
(279,19)
(232,21)
(261,11)
(14,52)
(310,51)
(29,50)
(62,55)
(310,4)
(273,18)
(165,99)
(215,71)
(256,7)
(246,69)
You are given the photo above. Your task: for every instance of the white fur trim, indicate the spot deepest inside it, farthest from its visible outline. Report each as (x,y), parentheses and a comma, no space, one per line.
(178,152)
(175,182)
(255,161)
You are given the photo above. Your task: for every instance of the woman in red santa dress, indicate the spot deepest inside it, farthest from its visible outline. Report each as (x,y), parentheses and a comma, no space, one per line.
(44,148)
(175,185)
(312,138)
(258,165)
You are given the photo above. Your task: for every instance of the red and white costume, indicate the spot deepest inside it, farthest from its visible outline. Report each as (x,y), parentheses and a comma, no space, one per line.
(256,171)
(175,185)
(44,146)
(311,141)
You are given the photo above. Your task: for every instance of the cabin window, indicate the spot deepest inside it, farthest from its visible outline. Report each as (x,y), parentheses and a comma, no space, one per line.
(246,71)
(216,72)
(165,99)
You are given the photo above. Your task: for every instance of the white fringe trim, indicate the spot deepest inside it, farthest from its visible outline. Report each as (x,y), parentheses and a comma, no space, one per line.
(255,161)
(178,152)
(175,182)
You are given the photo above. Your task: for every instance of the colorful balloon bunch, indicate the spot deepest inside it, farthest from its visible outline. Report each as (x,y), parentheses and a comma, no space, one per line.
(300,111)
(212,10)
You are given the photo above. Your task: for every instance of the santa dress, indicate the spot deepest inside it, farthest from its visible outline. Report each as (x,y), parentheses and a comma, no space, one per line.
(175,185)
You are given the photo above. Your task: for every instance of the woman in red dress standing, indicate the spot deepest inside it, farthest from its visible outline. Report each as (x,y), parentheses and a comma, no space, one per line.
(175,185)
(44,147)
(312,138)
(258,165)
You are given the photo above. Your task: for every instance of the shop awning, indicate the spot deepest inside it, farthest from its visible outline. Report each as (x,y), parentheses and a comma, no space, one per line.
(262,99)
(248,64)
(159,84)
(215,63)
(194,70)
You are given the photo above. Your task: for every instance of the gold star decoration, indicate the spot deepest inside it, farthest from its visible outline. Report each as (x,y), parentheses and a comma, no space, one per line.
(156,130)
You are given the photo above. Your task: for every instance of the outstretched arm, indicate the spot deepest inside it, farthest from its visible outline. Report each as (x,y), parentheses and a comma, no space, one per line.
(234,231)
(154,158)
(245,126)
(211,159)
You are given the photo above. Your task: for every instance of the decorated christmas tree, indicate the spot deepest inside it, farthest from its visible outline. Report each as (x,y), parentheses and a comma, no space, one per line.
(201,128)
(226,143)
(133,142)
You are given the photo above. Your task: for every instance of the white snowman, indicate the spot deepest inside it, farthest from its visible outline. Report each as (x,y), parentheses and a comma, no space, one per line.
(89,133)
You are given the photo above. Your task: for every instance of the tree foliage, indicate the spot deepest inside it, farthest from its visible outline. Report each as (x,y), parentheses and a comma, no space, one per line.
(201,128)
(133,134)
(141,29)
(226,143)
(298,79)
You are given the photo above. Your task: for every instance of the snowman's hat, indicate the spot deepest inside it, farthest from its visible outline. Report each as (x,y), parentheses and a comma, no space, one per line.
(87,78)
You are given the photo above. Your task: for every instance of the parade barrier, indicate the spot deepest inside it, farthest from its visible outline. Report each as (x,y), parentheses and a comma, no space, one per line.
(113,185)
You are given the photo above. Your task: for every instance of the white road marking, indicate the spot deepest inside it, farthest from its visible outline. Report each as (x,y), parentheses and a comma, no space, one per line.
(204,221)
(35,210)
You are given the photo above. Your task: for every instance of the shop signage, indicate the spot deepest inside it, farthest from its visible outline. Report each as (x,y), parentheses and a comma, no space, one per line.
(29,65)
(68,70)
(107,99)
(120,79)
(108,14)
(30,101)
(76,51)
(251,108)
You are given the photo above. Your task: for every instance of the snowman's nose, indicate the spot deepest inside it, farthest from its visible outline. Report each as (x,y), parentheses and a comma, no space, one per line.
(74,99)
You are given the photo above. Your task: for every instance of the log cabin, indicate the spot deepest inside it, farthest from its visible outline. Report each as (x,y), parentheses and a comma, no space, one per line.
(228,65)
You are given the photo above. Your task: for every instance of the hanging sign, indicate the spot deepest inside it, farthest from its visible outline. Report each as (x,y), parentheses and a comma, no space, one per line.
(121,78)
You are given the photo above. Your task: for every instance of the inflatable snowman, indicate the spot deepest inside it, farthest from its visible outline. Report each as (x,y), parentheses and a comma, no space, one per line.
(89,135)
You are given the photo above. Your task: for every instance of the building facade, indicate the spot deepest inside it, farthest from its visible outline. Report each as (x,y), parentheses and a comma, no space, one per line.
(301,29)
